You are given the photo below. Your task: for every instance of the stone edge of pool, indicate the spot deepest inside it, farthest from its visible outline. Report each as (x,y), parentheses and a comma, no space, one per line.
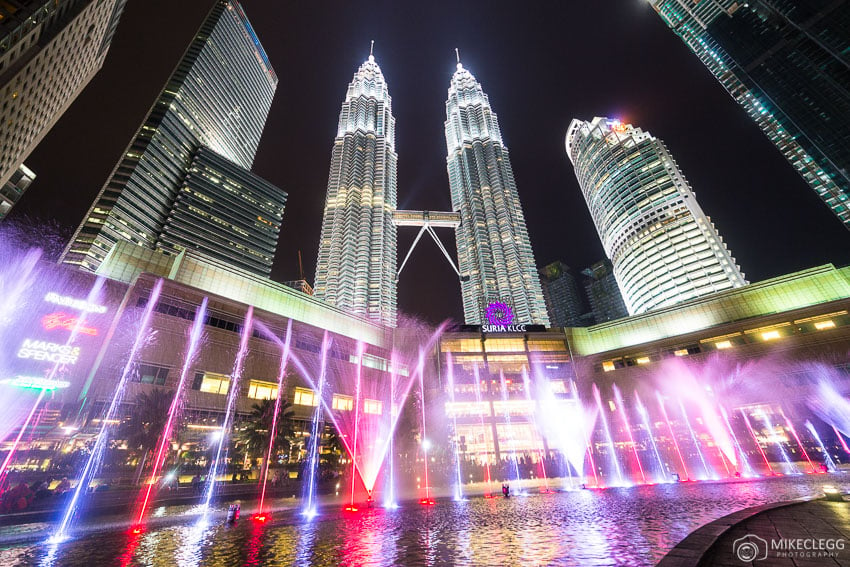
(696,544)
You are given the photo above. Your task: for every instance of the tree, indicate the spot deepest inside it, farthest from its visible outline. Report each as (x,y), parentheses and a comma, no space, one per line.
(146,423)
(254,433)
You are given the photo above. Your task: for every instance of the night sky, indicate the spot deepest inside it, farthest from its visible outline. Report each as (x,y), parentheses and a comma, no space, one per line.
(541,63)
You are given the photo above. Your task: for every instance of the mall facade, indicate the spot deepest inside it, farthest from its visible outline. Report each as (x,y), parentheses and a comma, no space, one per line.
(486,386)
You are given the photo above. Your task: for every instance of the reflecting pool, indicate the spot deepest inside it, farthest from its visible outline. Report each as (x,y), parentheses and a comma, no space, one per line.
(617,526)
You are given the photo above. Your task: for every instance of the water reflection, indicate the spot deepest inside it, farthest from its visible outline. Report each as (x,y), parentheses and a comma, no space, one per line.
(634,526)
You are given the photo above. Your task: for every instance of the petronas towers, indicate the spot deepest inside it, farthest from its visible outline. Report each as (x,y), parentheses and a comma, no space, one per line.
(356,268)
(357,262)
(493,248)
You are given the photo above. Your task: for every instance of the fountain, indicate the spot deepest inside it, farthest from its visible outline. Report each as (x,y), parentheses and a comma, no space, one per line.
(281,383)
(828,462)
(628,427)
(458,491)
(165,437)
(230,408)
(790,467)
(612,455)
(662,471)
(672,435)
(96,455)
(311,466)
(709,474)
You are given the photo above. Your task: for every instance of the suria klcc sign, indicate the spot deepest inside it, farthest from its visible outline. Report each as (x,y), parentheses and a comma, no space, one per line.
(500,317)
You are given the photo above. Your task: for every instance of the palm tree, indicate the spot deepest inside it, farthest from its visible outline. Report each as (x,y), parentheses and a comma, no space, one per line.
(254,433)
(146,423)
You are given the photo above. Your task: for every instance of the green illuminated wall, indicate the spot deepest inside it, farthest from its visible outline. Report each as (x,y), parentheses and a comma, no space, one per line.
(126,261)
(785,293)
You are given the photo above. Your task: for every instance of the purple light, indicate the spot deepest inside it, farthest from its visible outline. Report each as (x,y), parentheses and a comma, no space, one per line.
(499,313)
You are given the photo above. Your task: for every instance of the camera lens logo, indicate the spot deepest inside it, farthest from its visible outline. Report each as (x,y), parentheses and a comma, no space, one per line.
(499,313)
(750,548)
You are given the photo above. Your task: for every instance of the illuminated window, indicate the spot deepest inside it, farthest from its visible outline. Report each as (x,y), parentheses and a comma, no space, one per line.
(723,344)
(343,403)
(211,383)
(151,374)
(558,386)
(608,365)
(372,406)
(821,325)
(681,352)
(611,405)
(504,345)
(260,390)
(642,360)
(770,335)
(546,346)
(461,345)
(305,397)
(467,409)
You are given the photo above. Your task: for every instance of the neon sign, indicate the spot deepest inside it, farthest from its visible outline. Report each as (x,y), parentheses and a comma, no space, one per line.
(59,320)
(33,349)
(74,303)
(499,313)
(35,382)
(500,316)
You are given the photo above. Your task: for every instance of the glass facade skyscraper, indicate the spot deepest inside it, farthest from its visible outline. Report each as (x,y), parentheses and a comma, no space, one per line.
(664,249)
(356,267)
(218,97)
(49,51)
(787,63)
(493,248)
(561,292)
(226,212)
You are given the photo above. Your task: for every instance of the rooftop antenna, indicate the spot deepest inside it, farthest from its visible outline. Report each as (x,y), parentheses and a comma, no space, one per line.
(371,48)
(457,54)
(300,267)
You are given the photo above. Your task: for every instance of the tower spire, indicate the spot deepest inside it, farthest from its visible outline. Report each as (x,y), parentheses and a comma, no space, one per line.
(371,50)
(457,54)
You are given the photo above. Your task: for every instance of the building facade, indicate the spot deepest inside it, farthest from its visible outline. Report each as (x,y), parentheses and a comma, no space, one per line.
(218,97)
(786,63)
(561,292)
(494,251)
(571,402)
(13,189)
(663,248)
(356,266)
(226,212)
(37,38)
(603,293)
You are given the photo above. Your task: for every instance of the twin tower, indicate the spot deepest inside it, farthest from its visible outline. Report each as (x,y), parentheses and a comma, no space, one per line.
(357,268)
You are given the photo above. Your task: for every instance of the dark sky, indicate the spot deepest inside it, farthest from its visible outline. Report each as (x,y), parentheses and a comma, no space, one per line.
(541,63)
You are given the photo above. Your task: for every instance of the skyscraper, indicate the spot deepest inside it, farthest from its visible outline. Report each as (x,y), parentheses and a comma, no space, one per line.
(603,294)
(788,65)
(356,267)
(225,212)
(49,51)
(14,188)
(563,300)
(218,97)
(664,249)
(493,248)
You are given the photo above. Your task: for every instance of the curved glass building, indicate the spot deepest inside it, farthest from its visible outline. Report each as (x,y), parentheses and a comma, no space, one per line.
(493,248)
(356,268)
(664,248)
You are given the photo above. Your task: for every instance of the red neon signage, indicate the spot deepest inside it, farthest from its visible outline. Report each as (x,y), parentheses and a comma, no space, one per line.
(59,320)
